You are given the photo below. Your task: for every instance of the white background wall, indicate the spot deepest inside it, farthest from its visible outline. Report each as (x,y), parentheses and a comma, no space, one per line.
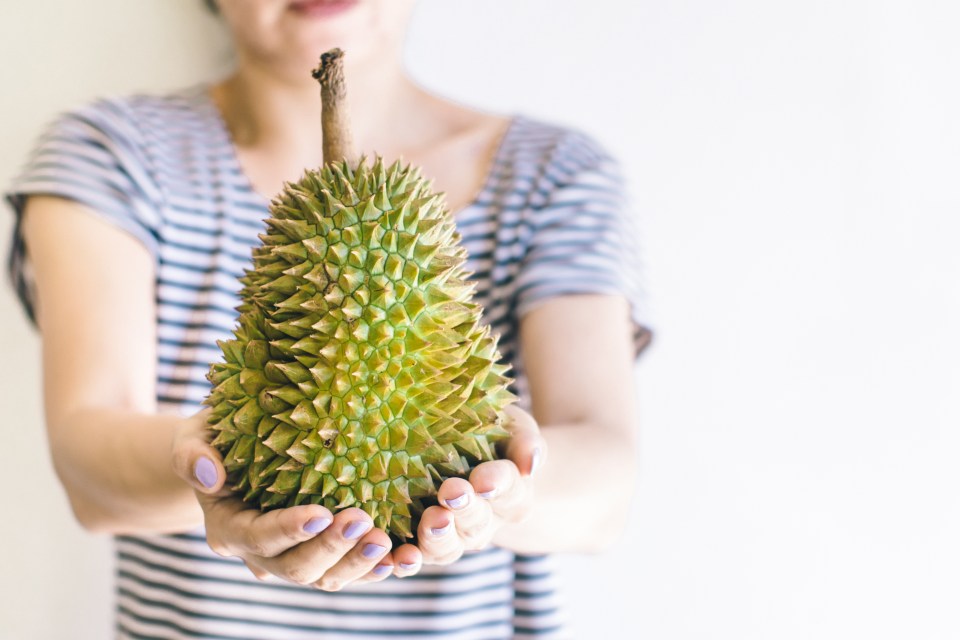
(796,165)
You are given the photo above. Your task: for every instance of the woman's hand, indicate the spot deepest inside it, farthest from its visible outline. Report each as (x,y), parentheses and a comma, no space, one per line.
(499,492)
(306,544)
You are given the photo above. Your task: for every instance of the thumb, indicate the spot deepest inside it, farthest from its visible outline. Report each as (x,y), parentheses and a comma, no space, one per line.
(194,460)
(526,448)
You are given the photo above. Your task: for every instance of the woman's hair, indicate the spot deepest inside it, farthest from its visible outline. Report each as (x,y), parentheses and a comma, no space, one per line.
(212,5)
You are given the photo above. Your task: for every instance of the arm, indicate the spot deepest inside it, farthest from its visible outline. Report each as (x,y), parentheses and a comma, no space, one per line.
(578,355)
(96,313)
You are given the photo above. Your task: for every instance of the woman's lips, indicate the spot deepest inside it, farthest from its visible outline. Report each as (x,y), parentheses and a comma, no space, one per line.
(321,8)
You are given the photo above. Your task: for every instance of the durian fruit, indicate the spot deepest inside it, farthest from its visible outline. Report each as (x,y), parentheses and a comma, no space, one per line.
(360,373)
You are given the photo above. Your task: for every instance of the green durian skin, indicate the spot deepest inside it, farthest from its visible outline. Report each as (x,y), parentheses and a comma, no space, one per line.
(360,373)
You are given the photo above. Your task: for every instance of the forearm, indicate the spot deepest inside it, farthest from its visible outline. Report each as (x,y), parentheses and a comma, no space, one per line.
(581,493)
(116,468)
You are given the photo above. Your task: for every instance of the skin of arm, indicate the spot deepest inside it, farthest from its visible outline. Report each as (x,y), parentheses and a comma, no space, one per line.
(578,356)
(96,312)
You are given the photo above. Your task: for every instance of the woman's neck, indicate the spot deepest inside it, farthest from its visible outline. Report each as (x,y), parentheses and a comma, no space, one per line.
(276,127)
(272,114)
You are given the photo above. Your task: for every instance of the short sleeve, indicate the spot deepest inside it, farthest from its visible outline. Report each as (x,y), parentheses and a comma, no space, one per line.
(94,156)
(584,239)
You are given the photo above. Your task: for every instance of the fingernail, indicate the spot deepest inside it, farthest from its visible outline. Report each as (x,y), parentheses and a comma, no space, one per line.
(372,551)
(205,472)
(459,502)
(534,460)
(486,495)
(383,569)
(356,529)
(407,567)
(316,525)
(441,531)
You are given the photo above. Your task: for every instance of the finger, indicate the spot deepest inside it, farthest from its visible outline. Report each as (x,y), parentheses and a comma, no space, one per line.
(526,447)
(473,516)
(307,562)
(242,531)
(370,554)
(407,560)
(437,536)
(258,572)
(194,460)
(384,568)
(505,491)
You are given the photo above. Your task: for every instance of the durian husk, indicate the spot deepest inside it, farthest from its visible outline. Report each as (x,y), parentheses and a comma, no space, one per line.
(361,373)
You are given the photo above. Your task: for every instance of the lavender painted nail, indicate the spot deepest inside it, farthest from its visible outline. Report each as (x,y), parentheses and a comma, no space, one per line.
(316,525)
(442,531)
(486,495)
(534,460)
(406,567)
(382,569)
(372,551)
(356,529)
(205,472)
(459,502)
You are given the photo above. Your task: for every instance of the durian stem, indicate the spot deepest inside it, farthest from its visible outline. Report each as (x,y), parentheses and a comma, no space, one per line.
(337,138)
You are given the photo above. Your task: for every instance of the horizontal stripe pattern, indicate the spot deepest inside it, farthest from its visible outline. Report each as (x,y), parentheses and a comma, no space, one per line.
(549,221)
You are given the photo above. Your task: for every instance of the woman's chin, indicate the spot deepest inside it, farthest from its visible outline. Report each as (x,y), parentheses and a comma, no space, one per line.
(351,33)
(292,40)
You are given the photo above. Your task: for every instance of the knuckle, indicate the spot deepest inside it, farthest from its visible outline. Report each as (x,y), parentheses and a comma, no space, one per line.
(475,523)
(327,583)
(471,539)
(289,529)
(181,463)
(442,555)
(259,574)
(218,546)
(478,541)
(256,546)
(298,575)
(329,548)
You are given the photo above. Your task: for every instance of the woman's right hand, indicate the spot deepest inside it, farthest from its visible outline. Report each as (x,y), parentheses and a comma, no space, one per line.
(306,544)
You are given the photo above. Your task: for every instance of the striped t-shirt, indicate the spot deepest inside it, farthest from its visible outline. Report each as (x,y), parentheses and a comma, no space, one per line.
(549,221)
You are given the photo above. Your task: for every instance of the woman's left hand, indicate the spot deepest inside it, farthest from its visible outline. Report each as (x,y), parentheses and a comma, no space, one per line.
(499,492)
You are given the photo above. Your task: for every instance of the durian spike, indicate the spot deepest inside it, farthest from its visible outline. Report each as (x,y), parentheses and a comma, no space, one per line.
(337,137)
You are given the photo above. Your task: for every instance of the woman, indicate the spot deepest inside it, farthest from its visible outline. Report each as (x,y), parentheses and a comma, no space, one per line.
(135,219)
